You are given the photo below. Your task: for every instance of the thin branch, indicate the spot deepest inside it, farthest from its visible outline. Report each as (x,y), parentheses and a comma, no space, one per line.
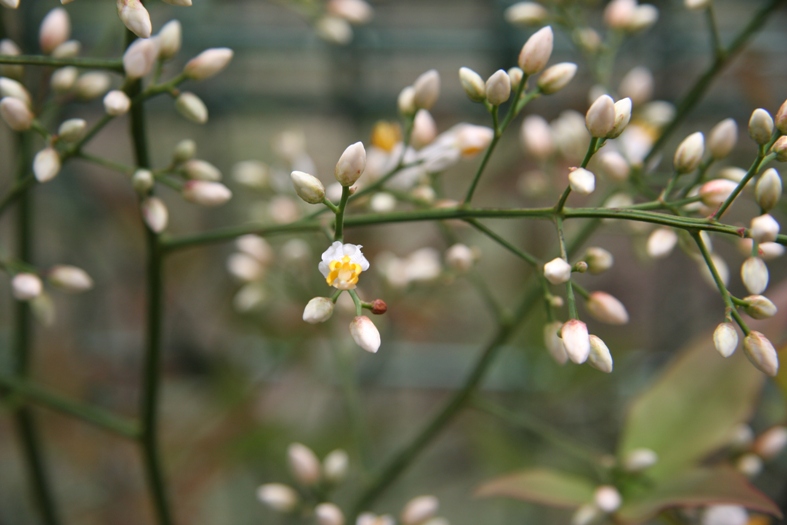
(115,65)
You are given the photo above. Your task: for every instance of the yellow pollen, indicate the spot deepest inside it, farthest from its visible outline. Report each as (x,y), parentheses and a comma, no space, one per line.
(343,274)
(385,135)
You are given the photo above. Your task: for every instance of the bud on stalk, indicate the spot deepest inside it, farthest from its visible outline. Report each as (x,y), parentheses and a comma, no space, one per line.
(725,339)
(46,164)
(556,77)
(722,138)
(761,126)
(576,340)
(135,17)
(116,103)
(768,190)
(536,51)
(761,353)
(600,118)
(55,30)
(498,88)
(206,193)
(155,214)
(365,334)
(308,187)
(351,164)
(191,106)
(426,89)
(689,153)
(208,63)
(16,114)
(473,84)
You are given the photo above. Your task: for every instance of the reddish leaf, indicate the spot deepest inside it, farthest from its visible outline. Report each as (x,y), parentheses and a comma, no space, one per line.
(545,486)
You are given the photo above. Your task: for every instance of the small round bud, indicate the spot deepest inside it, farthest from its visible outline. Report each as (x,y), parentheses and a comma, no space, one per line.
(424,129)
(55,30)
(116,103)
(781,118)
(406,101)
(379,307)
(537,137)
(16,114)
(460,257)
(197,169)
(761,353)
(619,14)
(473,84)
(318,310)
(607,309)
(600,118)
(303,463)
(526,14)
(72,130)
(689,153)
(749,465)
(26,286)
(557,271)
(334,466)
(768,190)
(92,85)
(9,48)
(351,164)
(308,187)
(607,498)
(637,85)
(725,339)
(600,358)
(68,49)
(780,149)
(644,16)
(64,79)
(419,509)
(722,138)
(11,88)
(724,514)
(764,228)
(46,164)
(536,51)
(206,193)
(135,17)
(754,274)
(713,193)
(640,459)
(761,126)
(70,279)
(598,260)
(278,497)
(556,77)
(365,334)
(334,30)
(191,106)
(582,181)
(576,340)
(143,181)
(585,515)
(208,63)
(184,150)
(553,342)
(498,88)
(155,214)
(427,89)
(622,117)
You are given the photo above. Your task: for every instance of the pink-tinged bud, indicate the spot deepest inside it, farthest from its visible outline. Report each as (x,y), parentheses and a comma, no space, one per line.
(303,463)
(619,14)
(334,30)
(365,334)
(197,169)
(278,497)
(771,442)
(761,353)
(607,498)
(759,307)
(622,117)
(473,84)
(599,358)
(72,130)
(169,40)
(526,14)
(614,166)
(70,279)
(637,85)
(537,137)
(208,63)
(351,164)
(749,465)
(63,79)
(427,89)
(689,153)
(16,114)
(308,187)
(536,51)
(764,228)
(92,85)
(191,106)
(406,101)
(661,242)
(318,310)
(334,466)
(354,11)
(328,514)
(644,17)
(781,118)
(553,342)
(139,58)
(576,340)
(640,459)
(600,118)
(556,77)
(424,129)
(725,339)
(498,88)
(606,308)
(135,17)
(598,260)
(379,307)
(155,214)
(116,103)
(46,164)
(11,88)
(722,138)
(419,509)
(761,126)
(780,149)
(460,257)
(713,193)
(754,273)
(206,193)
(143,181)
(68,49)
(55,29)
(768,190)
(26,286)
(557,271)
(582,181)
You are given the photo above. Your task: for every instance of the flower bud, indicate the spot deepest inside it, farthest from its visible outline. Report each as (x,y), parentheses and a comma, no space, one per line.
(46,164)
(427,89)
(142,181)
(26,286)
(208,63)
(9,48)
(768,190)
(556,77)
(419,509)
(780,149)
(724,514)
(185,150)
(722,138)
(278,497)
(553,342)
(206,193)
(55,29)
(328,514)
(11,88)
(72,130)
(576,340)
(308,187)
(318,310)
(582,181)
(755,275)
(473,84)
(190,106)
(598,260)
(155,214)
(759,307)
(135,17)
(607,498)
(661,242)
(761,126)
(637,85)
(516,75)
(713,193)
(557,271)
(644,17)
(354,11)
(16,114)
(64,79)
(614,166)
(725,339)
(334,465)
(619,14)
(761,353)
(764,228)
(303,463)
(537,137)
(68,49)
(640,459)
(460,257)
(771,442)
(689,153)
(600,118)
(334,30)
(606,308)
(139,58)
(526,14)
(169,40)
(70,279)
(622,117)
(197,169)
(424,129)
(498,88)
(406,101)
(365,333)
(255,246)
(696,5)
(749,465)
(599,357)
(92,85)
(244,267)
(471,139)
(351,164)
(585,515)
(781,118)
(116,103)
(536,51)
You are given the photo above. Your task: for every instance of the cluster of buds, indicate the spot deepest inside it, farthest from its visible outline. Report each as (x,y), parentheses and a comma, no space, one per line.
(28,286)
(750,452)
(335,23)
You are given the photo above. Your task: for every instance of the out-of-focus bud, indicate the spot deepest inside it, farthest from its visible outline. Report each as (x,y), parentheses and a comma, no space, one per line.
(72,129)
(318,310)
(308,187)
(600,358)
(661,242)
(139,58)
(198,169)
(576,340)
(741,437)
(460,257)
(689,153)
(16,114)
(64,79)
(351,164)
(780,149)
(185,150)
(607,498)
(725,339)
(11,88)
(328,514)
(46,164)
(191,106)
(419,509)
(536,51)
(68,49)
(761,353)
(55,29)
(598,260)
(303,463)
(169,40)
(749,465)
(183,3)
(637,85)
(473,84)
(471,140)
(557,271)
(255,246)
(644,17)
(714,192)
(537,137)
(334,466)
(365,334)
(582,181)
(92,85)
(754,273)
(619,13)
(556,77)
(516,75)
(622,117)
(206,193)
(526,14)
(334,30)
(278,497)
(640,459)
(768,190)
(724,514)
(759,307)
(116,103)
(70,279)
(354,11)
(208,63)
(135,17)
(587,39)
(606,308)
(764,228)
(771,442)
(26,286)
(600,118)
(382,202)
(142,181)
(760,126)
(406,101)
(614,166)
(732,173)
(781,118)
(585,515)
(498,88)
(155,214)
(9,48)
(696,5)
(427,89)
(424,129)
(554,343)
(722,138)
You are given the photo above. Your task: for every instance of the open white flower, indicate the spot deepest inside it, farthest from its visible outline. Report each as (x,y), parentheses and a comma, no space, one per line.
(342,264)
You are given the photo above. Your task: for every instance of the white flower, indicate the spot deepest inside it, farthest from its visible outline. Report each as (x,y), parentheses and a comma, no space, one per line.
(342,264)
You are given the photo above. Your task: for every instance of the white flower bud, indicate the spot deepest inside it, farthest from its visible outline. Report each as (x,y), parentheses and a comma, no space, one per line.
(600,118)
(498,88)
(68,49)
(689,153)
(244,267)
(614,166)
(278,497)
(190,106)
(761,353)
(64,79)
(92,85)
(55,29)
(198,169)
(335,464)
(381,202)
(155,214)
(406,101)
(599,358)
(661,242)
(732,173)
(70,279)
(576,340)
(754,274)
(537,137)
(72,130)
(640,459)
(644,17)
(139,58)
(725,339)
(598,260)
(536,51)
(142,181)
(607,498)
(419,509)
(16,114)
(724,514)
(768,190)
(328,514)
(427,89)
(764,228)
(9,48)
(169,40)
(637,85)
(585,515)
(471,139)
(354,11)
(696,5)
(365,333)
(255,246)
(334,30)
(760,126)
(473,84)
(622,117)
(554,343)
(46,164)
(516,75)
(582,181)
(424,129)
(771,442)
(557,271)
(759,307)
(186,149)
(26,286)
(722,138)
(741,437)
(619,14)
(135,17)
(208,63)
(749,465)
(780,149)
(526,14)
(460,257)
(714,192)
(556,77)
(606,308)
(11,88)
(351,164)
(206,193)
(116,103)
(303,463)
(308,187)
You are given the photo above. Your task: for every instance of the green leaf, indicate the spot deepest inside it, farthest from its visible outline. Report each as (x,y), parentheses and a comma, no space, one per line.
(545,486)
(692,408)
(696,488)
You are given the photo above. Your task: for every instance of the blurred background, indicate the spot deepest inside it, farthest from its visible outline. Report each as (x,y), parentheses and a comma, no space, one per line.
(240,386)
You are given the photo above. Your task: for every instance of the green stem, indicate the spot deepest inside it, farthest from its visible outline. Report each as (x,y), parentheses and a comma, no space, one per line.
(18,188)
(529,259)
(716,46)
(110,164)
(87,63)
(570,298)
(338,234)
(761,160)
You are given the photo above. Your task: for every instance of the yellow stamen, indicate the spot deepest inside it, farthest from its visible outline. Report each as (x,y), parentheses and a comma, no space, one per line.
(343,274)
